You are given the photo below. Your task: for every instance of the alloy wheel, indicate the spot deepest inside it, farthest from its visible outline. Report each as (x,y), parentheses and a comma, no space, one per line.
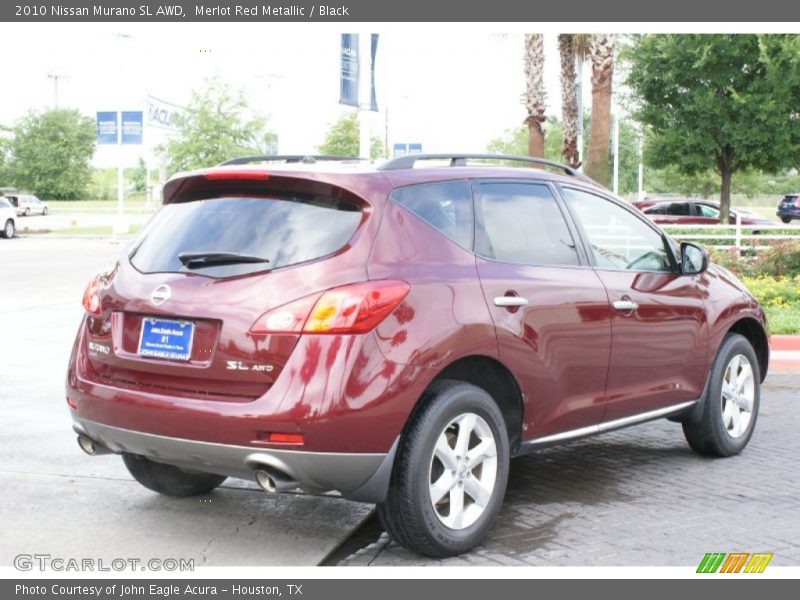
(738,396)
(463,471)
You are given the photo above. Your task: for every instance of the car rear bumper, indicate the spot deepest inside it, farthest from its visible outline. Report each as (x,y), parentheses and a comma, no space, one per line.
(357,476)
(792,212)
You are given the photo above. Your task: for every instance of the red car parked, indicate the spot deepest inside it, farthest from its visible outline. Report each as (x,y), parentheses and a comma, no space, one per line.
(397,334)
(694,212)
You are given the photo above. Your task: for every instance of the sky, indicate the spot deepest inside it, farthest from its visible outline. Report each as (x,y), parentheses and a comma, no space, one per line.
(449,88)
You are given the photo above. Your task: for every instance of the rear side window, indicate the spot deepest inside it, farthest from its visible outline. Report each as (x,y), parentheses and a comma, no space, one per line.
(522,224)
(445,205)
(283,230)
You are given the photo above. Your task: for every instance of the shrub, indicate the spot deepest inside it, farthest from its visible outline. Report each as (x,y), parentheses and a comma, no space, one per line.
(782,259)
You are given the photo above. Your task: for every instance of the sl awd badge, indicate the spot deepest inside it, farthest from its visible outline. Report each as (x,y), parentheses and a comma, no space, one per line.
(160,295)
(237,365)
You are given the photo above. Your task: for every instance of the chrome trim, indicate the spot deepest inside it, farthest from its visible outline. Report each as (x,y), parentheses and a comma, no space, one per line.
(606,426)
(510,301)
(625,305)
(314,471)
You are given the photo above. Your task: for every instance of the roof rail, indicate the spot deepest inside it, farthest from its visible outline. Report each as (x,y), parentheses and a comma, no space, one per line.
(460,160)
(308,159)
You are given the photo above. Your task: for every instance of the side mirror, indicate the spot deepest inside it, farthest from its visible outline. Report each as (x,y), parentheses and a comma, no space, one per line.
(694,259)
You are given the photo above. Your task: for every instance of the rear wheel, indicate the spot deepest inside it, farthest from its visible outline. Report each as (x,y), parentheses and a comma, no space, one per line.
(27,212)
(170,480)
(9,229)
(731,403)
(450,474)
(786,219)
(45,210)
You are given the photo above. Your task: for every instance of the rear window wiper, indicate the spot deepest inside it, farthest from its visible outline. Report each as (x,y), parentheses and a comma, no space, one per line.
(208,259)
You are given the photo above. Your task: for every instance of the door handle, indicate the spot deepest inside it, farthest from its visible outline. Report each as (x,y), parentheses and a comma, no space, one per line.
(507,301)
(625,305)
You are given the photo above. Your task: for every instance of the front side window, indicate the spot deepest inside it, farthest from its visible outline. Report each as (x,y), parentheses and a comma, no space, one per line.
(522,224)
(708,211)
(618,239)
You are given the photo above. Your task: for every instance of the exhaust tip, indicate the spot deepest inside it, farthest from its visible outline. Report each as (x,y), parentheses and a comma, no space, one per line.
(273,481)
(91,447)
(266,481)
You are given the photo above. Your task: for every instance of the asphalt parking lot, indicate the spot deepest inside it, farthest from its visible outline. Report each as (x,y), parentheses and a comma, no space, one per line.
(634,497)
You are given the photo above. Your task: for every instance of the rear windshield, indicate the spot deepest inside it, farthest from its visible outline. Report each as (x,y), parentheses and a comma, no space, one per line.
(282,230)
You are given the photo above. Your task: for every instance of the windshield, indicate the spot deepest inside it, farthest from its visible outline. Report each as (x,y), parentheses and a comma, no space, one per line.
(281,231)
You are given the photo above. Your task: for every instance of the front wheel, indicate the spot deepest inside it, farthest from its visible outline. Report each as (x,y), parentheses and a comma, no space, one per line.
(9,229)
(786,220)
(170,480)
(45,210)
(450,474)
(731,404)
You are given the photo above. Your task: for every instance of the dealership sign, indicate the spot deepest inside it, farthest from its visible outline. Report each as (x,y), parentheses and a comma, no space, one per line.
(161,114)
(132,126)
(107,127)
(114,127)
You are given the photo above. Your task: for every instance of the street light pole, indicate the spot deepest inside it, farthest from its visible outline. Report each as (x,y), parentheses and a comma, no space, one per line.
(55,77)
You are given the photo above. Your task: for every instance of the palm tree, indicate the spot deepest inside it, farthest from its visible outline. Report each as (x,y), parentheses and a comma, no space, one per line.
(569,98)
(601,52)
(534,92)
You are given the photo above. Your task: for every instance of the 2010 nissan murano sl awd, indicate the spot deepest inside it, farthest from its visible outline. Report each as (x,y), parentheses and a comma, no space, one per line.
(398,333)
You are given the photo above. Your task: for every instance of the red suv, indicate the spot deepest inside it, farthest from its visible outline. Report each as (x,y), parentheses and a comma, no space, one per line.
(396,334)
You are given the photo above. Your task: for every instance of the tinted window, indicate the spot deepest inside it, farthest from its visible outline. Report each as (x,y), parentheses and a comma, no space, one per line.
(658,209)
(618,239)
(678,209)
(445,205)
(521,223)
(707,211)
(284,230)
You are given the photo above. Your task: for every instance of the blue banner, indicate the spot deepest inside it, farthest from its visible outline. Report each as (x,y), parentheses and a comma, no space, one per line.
(373,101)
(132,127)
(399,149)
(348,84)
(107,127)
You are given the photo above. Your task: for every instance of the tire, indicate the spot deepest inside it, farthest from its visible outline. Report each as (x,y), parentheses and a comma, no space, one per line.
(9,229)
(45,210)
(169,480)
(409,514)
(27,212)
(725,427)
(786,220)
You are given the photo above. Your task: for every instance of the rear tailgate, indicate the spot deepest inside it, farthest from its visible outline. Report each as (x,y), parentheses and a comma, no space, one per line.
(184,329)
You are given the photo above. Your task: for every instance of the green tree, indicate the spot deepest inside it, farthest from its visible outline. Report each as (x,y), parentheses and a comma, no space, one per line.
(515,141)
(601,53)
(342,138)
(138,176)
(215,127)
(534,92)
(50,153)
(718,102)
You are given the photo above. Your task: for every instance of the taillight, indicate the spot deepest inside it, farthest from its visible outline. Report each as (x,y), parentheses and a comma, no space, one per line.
(797,202)
(91,297)
(354,308)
